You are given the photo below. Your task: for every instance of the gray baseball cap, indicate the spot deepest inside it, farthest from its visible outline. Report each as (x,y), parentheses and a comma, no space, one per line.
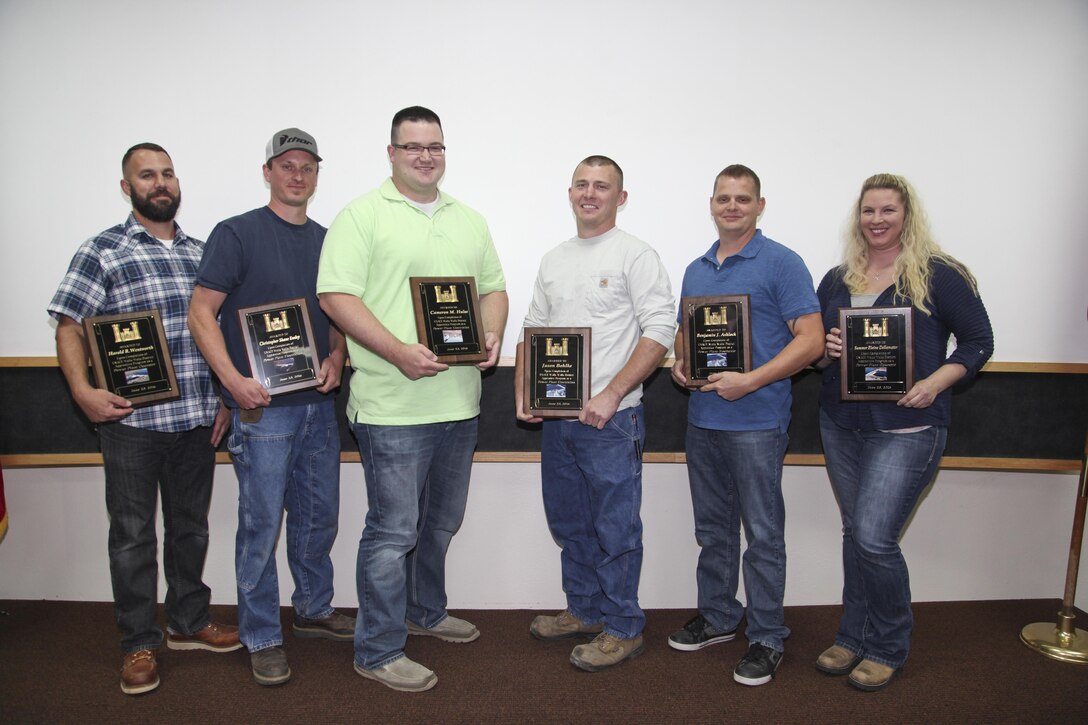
(289,139)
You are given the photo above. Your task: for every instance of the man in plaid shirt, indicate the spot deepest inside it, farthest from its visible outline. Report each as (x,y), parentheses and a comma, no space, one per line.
(149,263)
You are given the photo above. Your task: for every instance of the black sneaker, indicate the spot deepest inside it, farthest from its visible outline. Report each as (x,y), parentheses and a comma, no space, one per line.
(758,666)
(698,633)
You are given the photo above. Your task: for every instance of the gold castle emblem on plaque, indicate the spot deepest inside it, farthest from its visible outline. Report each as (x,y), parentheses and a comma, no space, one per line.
(555,347)
(126,334)
(275,324)
(715,317)
(442,295)
(872,328)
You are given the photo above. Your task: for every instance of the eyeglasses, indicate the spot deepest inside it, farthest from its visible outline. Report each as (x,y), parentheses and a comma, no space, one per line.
(415,149)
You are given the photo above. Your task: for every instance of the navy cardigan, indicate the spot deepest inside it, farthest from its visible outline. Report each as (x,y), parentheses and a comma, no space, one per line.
(955,309)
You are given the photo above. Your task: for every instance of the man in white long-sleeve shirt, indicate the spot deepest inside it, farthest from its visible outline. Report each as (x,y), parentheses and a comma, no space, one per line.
(591,467)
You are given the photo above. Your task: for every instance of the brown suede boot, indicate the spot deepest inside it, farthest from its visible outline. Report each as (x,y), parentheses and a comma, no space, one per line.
(837,660)
(562,626)
(871,676)
(605,651)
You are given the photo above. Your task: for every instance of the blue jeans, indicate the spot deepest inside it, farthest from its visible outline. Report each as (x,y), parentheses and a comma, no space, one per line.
(138,464)
(592,482)
(416,488)
(877,478)
(736,479)
(289,459)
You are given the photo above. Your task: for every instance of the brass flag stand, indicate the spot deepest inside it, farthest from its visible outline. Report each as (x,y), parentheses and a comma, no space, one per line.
(1064,641)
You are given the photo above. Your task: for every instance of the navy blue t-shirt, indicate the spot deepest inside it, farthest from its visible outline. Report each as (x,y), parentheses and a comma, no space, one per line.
(257,258)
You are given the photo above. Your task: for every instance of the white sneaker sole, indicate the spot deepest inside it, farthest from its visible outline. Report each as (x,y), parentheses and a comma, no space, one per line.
(701,645)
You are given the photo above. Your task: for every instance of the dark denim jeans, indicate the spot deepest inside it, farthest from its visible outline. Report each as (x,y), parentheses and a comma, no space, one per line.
(416,487)
(736,479)
(592,482)
(289,459)
(138,464)
(878,478)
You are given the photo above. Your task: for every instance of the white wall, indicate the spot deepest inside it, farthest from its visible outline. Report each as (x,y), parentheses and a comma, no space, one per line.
(978,535)
(975,100)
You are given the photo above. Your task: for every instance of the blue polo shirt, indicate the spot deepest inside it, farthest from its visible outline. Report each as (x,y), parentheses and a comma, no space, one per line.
(780,289)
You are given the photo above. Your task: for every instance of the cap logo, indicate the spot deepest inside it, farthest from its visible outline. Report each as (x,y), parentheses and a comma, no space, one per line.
(294,139)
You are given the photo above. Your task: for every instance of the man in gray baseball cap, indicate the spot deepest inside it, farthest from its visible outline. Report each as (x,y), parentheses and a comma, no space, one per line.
(284,439)
(290,139)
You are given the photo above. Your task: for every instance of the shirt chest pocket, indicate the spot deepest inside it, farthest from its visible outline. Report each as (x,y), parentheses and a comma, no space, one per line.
(136,269)
(606,291)
(141,282)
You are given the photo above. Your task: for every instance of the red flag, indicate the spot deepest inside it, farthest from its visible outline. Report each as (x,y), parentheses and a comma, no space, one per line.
(3,508)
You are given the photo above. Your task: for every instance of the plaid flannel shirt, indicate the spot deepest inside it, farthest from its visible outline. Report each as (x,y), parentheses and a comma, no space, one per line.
(125,269)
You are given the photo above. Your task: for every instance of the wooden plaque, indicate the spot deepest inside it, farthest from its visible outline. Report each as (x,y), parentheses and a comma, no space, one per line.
(130,356)
(448,319)
(717,335)
(280,345)
(877,360)
(556,376)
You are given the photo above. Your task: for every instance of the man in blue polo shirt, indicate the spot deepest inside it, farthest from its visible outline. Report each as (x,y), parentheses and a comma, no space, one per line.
(737,422)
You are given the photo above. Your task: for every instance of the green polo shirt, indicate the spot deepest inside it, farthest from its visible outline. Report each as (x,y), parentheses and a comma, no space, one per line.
(372,247)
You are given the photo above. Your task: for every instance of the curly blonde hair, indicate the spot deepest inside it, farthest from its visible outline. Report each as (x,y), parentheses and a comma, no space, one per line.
(919,249)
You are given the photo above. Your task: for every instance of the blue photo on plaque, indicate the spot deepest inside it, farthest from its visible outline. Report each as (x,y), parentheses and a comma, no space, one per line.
(717,360)
(876,374)
(141,375)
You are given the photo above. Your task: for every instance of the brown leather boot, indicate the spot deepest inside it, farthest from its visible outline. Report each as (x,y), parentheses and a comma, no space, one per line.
(213,638)
(139,672)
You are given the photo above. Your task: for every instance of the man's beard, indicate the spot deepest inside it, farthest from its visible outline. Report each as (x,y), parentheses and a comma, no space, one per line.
(155,210)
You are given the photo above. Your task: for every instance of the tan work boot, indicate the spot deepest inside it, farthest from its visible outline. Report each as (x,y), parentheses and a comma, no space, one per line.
(605,651)
(562,626)
(837,660)
(871,676)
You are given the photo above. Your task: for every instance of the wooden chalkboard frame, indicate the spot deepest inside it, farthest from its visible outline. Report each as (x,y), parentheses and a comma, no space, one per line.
(1013,416)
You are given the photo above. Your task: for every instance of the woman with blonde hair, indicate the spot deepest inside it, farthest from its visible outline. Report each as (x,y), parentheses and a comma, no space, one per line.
(881,455)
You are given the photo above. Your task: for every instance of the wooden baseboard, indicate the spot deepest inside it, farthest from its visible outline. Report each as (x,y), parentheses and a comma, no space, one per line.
(1025,465)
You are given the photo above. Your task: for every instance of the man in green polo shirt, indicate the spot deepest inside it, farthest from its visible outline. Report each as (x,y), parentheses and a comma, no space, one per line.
(413,416)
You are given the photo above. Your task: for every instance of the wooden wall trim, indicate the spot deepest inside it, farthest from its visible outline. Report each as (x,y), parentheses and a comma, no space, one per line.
(29,362)
(1025,465)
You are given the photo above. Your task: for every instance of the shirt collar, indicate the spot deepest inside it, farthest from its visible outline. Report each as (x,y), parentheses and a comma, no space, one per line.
(749,251)
(133,229)
(390,191)
(599,238)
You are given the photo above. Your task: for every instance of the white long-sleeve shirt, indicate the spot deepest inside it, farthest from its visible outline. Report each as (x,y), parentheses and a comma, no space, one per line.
(613,283)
